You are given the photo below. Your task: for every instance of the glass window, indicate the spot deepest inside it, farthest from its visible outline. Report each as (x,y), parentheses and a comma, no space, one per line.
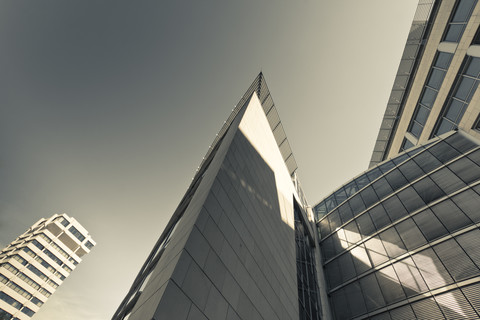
(447,181)
(469,242)
(454,110)
(410,234)
(450,215)
(334,277)
(396,179)
(324,228)
(37,301)
(351,188)
(371,290)
(345,212)
(410,199)
(430,226)
(455,260)
(463,10)
(355,299)
(409,276)
(340,196)
(14,303)
(464,88)
(356,204)
(406,144)
(473,68)
(77,233)
(443,152)
(352,234)
(362,181)
(444,127)
(426,161)
(365,225)
(368,195)
(346,267)
(422,115)
(382,188)
(376,251)
(360,259)
(427,190)
(334,219)
(466,169)
(390,285)
(454,32)
(469,202)
(432,269)
(436,78)
(410,170)
(387,166)
(428,97)
(379,216)
(392,243)
(416,129)
(443,60)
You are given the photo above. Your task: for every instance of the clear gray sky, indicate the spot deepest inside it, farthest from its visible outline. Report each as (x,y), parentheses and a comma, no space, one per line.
(107,108)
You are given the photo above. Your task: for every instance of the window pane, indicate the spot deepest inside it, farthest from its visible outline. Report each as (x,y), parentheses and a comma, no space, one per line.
(376,251)
(355,299)
(365,225)
(455,260)
(369,196)
(416,129)
(422,114)
(443,60)
(371,290)
(394,208)
(447,181)
(454,32)
(450,215)
(462,13)
(463,89)
(473,67)
(454,110)
(392,243)
(390,285)
(436,78)
(432,269)
(410,277)
(428,97)
(396,179)
(410,199)
(466,169)
(428,190)
(469,202)
(444,127)
(430,226)
(345,212)
(444,152)
(410,234)
(379,216)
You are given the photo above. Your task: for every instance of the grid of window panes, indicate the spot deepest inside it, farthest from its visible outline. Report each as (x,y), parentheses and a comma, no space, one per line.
(406,144)
(458,20)
(408,232)
(308,292)
(429,93)
(462,91)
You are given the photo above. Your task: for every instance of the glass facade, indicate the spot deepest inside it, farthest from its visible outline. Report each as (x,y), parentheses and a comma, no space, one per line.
(406,231)
(462,91)
(308,292)
(429,94)
(458,20)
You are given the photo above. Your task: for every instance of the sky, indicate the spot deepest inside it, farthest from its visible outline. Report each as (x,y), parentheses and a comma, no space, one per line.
(108,107)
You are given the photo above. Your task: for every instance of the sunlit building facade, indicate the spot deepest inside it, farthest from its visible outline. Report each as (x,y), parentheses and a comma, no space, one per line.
(37,262)
(400,241)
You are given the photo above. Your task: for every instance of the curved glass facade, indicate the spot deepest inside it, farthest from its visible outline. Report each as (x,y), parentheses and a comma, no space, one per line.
(401,240)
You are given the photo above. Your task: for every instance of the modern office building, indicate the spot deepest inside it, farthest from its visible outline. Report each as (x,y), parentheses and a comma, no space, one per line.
(400,241)
(37,262)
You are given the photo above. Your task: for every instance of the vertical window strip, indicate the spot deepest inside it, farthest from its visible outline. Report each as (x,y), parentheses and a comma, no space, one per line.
(458,20)
(429,93)
(459,97)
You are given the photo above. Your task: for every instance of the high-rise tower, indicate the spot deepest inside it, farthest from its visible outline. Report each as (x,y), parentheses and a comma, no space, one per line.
(37,262)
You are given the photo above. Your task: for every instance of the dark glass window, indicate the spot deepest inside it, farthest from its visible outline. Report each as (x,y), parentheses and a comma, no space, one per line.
(447,181)
(428,97)
(410,199)
(427,161)
(390,285)
(450,215)
(365,225)
(427,190)
(469,202)
(379,216)
(463,10)
(432,269)
(394,208)
(430,226)
(382,188)
(368,195)
(371,290)
(345,212)
(396,179)
(410,234)
(77,233)
(436,78)
(455,260)
(355,300)
(466,169)
(392,243)
(454,32)
(406,144)
(443,151)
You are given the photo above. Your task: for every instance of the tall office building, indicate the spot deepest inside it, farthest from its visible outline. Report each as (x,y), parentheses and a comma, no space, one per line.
(37,262)
(397,242)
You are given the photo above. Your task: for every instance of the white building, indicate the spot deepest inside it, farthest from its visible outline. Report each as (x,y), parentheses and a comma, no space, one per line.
(37,262)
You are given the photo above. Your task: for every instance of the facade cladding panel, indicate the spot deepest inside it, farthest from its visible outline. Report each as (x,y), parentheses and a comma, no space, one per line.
(407,246)
(241,233)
